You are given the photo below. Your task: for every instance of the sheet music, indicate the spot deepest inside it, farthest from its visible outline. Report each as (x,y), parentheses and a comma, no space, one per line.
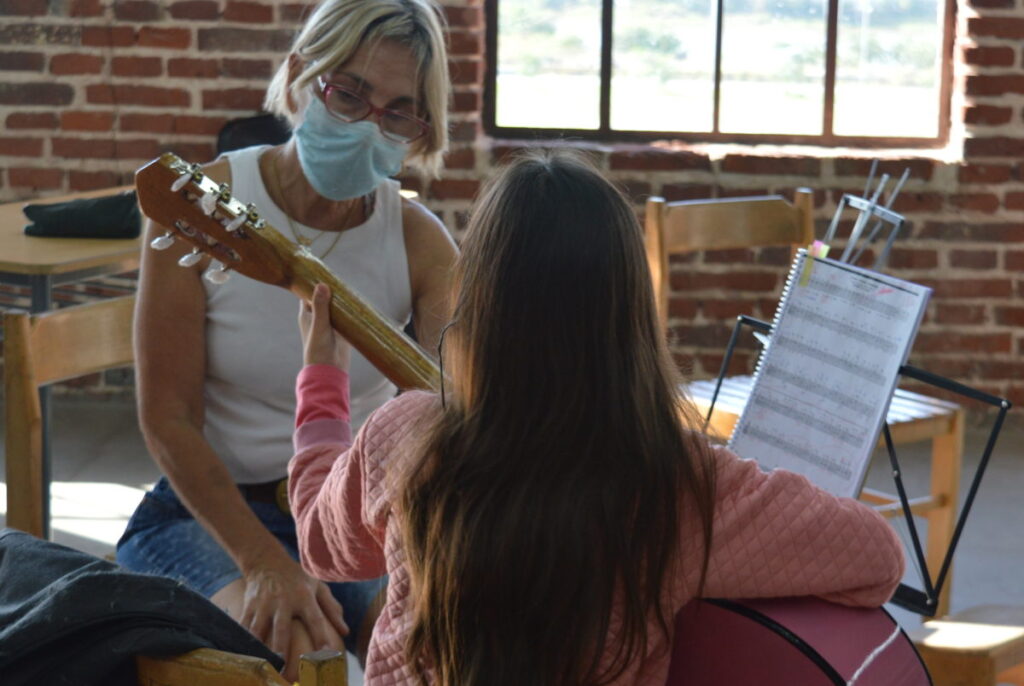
(824,382)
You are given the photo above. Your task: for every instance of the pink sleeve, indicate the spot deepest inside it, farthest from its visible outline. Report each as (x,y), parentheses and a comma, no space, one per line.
(326,484)
(775,534)
(321,392)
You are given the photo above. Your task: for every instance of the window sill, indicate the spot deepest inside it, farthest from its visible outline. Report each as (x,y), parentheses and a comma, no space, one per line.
(949,154)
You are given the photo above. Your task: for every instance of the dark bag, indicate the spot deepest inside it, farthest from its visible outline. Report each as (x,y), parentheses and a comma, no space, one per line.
(109,216)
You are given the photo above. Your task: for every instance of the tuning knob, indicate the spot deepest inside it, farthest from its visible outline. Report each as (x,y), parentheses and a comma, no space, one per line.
(209,202)
(217,276)
(180,182)
(162,242)
(236,223)
(191,259)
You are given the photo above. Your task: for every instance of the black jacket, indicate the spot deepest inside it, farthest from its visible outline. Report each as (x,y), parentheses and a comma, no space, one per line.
(70,618)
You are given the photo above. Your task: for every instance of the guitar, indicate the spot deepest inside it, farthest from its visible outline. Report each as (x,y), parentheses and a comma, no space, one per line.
(194,208)
(791,642)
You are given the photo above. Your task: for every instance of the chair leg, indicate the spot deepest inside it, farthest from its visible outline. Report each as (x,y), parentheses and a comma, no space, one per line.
(947,457)
(23,422)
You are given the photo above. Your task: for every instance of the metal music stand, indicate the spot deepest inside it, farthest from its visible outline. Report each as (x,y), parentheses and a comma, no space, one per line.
(922,601)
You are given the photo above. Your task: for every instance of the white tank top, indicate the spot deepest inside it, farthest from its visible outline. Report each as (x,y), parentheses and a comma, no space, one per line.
(253,346)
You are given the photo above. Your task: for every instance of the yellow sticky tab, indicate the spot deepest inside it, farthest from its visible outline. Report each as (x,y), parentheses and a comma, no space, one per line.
(815,249)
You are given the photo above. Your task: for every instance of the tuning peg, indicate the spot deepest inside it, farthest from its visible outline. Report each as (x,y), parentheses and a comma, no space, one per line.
(180,182)
(217,276)
(191,259)
(236,223)
(224,193)
(209,202)
(192,172)
(252,215)
(162,242)
(184,228)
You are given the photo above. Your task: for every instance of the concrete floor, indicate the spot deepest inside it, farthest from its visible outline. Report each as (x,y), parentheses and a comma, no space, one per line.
(101,469)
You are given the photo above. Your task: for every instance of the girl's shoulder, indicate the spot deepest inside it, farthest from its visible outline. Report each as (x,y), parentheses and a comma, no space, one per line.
(396,420)
(389,442)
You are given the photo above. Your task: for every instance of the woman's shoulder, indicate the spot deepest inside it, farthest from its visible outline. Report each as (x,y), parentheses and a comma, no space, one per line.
(219,168)
(422,225)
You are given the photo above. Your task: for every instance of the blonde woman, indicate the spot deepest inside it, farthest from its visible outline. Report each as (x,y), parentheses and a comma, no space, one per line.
(365,89)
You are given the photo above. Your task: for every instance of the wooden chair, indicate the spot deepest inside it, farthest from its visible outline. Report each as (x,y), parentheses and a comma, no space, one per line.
(687,226)
(62,344)
(41,349)
(57,345)
(206,667)
(679,227)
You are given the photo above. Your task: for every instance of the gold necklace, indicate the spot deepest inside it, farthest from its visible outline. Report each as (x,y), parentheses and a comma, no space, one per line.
(300,238)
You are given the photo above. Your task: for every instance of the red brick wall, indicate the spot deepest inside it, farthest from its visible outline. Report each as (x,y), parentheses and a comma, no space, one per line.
(91,89)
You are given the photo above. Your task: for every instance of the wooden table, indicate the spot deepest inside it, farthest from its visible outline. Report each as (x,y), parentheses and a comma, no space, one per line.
(42,263)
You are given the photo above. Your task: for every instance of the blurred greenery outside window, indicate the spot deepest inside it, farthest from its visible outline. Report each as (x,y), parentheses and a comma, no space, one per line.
(890,63)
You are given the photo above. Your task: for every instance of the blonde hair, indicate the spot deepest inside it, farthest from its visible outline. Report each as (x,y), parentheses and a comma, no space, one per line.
(338,28)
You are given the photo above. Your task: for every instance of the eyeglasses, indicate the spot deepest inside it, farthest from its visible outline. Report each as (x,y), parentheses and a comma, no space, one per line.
(349,106)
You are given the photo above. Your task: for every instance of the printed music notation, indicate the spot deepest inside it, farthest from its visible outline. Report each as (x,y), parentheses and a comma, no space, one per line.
(825,379)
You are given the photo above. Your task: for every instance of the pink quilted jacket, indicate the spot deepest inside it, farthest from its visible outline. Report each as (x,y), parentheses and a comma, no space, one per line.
(775,534)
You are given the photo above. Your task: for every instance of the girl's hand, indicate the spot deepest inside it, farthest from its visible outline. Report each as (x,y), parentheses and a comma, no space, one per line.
(320,343)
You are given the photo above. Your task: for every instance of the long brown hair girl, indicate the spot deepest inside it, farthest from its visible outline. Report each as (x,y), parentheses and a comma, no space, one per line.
(544,514)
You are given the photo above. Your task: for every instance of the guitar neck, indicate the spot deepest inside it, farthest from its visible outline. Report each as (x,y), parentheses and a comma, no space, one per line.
(192,207)
(379,340)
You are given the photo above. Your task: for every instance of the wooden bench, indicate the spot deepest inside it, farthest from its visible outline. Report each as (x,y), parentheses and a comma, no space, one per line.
(982,646)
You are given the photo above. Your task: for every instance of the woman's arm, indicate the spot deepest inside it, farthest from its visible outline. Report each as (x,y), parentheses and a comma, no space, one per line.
(775,534)
(431,252)
(170,348)
(170,351)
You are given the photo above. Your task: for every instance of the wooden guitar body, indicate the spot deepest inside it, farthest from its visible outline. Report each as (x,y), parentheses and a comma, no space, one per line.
(789,642)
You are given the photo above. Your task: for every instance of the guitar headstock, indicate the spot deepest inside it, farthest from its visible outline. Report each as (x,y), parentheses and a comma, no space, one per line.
(194,208)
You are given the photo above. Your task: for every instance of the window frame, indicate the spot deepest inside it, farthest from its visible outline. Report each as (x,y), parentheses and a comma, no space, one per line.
(827,138)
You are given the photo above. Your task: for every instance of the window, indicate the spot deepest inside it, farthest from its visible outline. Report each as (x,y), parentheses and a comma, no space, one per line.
(830,72)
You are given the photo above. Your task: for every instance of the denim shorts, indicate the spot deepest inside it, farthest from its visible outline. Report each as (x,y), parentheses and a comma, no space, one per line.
(163,538)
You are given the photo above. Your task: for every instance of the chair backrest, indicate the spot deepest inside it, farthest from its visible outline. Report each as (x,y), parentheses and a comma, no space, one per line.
(41,349)
(262,129)
(717,224)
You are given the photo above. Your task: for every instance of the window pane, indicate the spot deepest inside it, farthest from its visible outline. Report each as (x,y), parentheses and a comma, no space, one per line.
(773,67)
(549,64)
(888,68)
(664,65)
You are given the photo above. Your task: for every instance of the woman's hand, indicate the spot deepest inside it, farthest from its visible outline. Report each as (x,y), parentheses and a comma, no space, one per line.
(320,343)
(278,593)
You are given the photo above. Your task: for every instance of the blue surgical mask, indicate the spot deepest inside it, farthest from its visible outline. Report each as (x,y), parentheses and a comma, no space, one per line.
(344,160)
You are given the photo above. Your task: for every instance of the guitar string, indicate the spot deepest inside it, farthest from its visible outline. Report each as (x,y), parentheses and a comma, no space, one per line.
(874,654)
(300,238)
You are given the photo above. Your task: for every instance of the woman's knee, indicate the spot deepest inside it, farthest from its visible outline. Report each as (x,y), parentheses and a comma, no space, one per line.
(231,598)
